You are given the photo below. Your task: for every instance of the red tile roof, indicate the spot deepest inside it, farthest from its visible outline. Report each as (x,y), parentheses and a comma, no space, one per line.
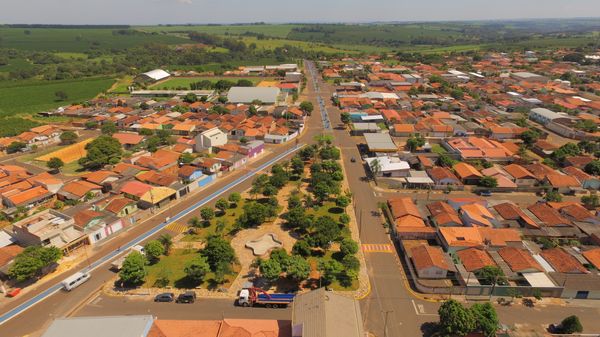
(474,259)
(563,262)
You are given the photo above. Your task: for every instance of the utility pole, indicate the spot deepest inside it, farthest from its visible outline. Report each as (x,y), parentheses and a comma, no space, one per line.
(360,223)
(385,322)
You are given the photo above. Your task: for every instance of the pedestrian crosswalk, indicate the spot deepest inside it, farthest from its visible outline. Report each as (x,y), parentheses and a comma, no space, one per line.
(176,227)
(377,248)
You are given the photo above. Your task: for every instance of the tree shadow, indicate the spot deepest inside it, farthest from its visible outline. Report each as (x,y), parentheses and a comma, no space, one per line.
(185,283)
(430,329)
(336,210)
(339,256)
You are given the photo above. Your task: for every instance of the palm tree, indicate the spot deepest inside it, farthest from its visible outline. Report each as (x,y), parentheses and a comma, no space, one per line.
(167,241)
(375,167)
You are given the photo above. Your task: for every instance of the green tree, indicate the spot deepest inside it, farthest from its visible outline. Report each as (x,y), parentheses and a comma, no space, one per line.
(491,275)
(222,205)
(218,251)
(455,320)
(15,147)
(529,137)
(413,143)
(592,167)
(244,83)
(31,260)
(167,241)
(297,166)
(108,128)
(153,250)
(375,167)
(342,201)
(196,269)
(330,269)
(91,125)
(207,214)
(235,197)
(553,196)
(194,221)
(186,158)
(68,137)
(270,269)
(302,248)
(254,214)
(591,201)
(345,117)
(297,218)
(326,230)
(55,163)
(348,247)
(489,182)
(351,262)
(486,318)
(445,161)
(101,151)
(133,270)
(307,107)
(61,95)
(190,98)
(297,268)
(571,325)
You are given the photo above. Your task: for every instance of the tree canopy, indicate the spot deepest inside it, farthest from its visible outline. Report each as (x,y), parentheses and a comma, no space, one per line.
(102,151)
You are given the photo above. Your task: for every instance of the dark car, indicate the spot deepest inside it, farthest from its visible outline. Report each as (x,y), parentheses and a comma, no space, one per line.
(164,297)
(485,193)
(187,297)
(353,160)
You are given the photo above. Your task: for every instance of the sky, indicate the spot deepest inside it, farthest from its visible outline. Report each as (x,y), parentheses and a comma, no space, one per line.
(139,12)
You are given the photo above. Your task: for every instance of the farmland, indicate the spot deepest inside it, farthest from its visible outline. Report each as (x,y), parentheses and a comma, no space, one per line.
(79,40)
(69,153)
(31,96)
(280,31)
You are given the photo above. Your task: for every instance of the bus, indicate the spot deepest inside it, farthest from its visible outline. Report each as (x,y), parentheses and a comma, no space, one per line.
(75,280)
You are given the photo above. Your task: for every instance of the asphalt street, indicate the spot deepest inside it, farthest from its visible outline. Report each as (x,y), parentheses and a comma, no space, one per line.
(390,309)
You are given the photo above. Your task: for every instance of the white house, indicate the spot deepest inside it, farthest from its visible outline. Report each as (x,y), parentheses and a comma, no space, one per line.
(210,138)
(389,166)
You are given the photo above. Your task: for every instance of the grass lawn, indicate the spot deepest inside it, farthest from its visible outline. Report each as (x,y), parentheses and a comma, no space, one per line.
(437,148)
(16,64)
(172,266)
(35,96)
(175,82)
(122,85)
(229,218)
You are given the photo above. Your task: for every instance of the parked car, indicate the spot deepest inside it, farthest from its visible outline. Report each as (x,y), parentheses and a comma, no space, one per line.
(485,193)
(187,297)
(164,297)
(353,160)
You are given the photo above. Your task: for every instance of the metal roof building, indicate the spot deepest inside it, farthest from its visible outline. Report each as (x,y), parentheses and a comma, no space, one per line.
(322,313)
(380,142)
(267,95)
(153,76)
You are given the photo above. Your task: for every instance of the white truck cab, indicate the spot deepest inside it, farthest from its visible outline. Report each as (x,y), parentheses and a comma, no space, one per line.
(244,298)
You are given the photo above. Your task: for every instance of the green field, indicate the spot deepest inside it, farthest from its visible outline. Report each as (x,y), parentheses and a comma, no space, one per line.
(176,82)
(23,97)
(16,64)
(280,31)
(78,40)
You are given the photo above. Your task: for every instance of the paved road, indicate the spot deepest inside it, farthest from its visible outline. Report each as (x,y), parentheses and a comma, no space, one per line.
(45,302)
(407,313)
(202,309)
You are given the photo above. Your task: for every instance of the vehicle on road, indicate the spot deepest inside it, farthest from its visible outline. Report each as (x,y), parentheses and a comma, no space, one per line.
(485,193)
(75,280)
(164,297)
(186,297)
(353,160)
(249,297)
